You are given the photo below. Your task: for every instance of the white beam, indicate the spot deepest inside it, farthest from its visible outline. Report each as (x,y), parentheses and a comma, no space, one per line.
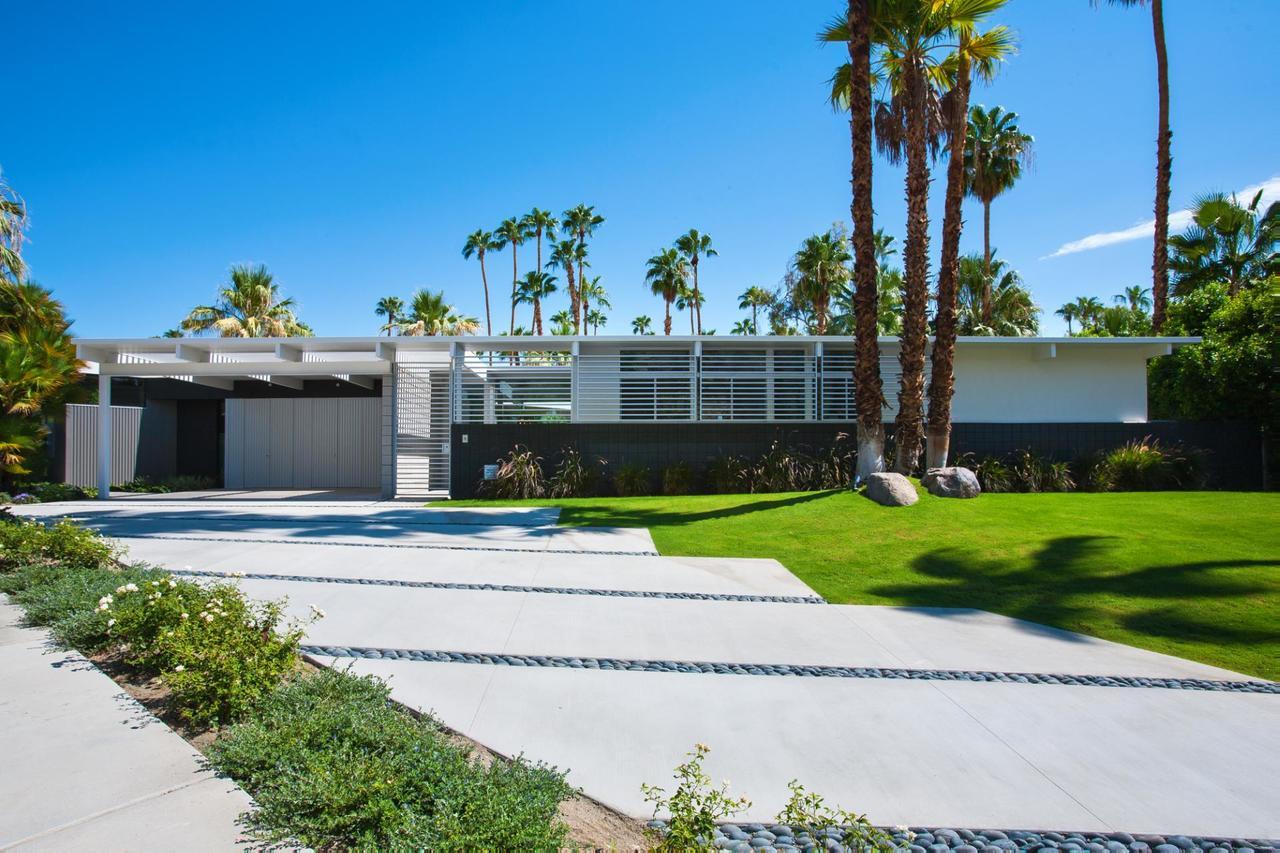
(361,381)
(246,369)
(1044,352)
(91,353)
(287,352)
(385,350)
(104,437)
(213,382)
(286,381)
(188,352)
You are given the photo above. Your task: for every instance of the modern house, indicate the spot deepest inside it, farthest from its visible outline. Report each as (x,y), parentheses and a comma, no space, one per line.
(419,416)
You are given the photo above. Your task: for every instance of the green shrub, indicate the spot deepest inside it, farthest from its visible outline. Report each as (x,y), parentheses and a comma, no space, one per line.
(632,481)
(784,469)
(332,763)
(677,479)
(216,650)
(31,542)
(993,475)
(50,492)
(1032,473)
(519,476)
(64,599)
(181,483)
(694,807)
(810,813)
(834,467)
(574,477)
(1145,465)
(727,475)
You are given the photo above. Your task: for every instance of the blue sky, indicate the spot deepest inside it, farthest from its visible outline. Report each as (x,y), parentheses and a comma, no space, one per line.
(353,147)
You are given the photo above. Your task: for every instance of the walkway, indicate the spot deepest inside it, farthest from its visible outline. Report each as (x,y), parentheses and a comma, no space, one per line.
(87,768)
(583,649)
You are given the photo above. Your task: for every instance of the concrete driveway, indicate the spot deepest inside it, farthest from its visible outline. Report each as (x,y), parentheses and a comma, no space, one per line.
(584,649)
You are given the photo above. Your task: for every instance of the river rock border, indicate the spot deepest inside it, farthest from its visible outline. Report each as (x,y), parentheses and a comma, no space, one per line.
(506,587)
(801,670)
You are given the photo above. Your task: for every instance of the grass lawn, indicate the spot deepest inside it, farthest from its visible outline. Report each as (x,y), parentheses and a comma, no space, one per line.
(1193,574)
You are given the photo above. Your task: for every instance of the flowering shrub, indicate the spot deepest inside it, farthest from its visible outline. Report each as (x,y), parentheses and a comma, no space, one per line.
(694,807)
(25,543)
(809,812)
(217,651)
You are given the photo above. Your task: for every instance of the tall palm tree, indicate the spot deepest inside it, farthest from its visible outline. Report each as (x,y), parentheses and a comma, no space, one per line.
(535,287)
(13,226)
(754,298)
(565,254)
(1088,309)
(1226,242)
(511,232)
(539,223)
(1068,312)
(851,88)
(429,314)
(995,152)
(1013,312)
(975,55)
(743,327)
(595,319)
(561,323)
(249,306)
(391,307)
(665,272)
(581,221)
(591,289)
(822,265)
(1164,162)
(1136,297)
(642,325)
(694,245)
(478,243)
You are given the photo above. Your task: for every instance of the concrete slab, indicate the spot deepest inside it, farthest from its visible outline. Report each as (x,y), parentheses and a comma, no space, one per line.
(80,754)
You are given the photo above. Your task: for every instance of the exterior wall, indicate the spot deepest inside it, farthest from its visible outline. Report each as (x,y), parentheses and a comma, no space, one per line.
(303,443)
(386,440)
(82,444)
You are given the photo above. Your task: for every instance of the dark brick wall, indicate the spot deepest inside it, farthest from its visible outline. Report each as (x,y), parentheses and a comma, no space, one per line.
(1235,449)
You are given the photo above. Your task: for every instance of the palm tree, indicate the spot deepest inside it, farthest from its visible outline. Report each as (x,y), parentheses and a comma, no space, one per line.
(581,221)
(1068,312)
(995,152)
(391,307)
(694,245)
(478,243)
(535,287)
(665,273)
(539,222)
(755,298)
(565,254)
(1164,162)
(561,323)
(429,314)
(976,54)
(13,226)
(593,289)
(743,327)
(822,266)
(596,319)
(248,307)
(642,325)
(511,232)
(1013,312)
(1136,297)
(1088,309)
(686,299)
(1226,242)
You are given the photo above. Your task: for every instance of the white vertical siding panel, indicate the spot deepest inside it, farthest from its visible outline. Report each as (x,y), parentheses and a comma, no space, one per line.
(282,433)
(303,446)
(233,445)
(305,442)
(325,463)
(81,465)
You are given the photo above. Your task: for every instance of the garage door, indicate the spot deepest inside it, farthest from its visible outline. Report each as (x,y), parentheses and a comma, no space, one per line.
(331,443)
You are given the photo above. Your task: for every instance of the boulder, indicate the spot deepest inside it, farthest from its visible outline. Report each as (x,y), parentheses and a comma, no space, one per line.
(891,490)
(951,483)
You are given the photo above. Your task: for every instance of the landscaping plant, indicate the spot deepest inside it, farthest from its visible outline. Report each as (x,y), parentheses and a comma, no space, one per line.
(632,481)
(519,476)
(27,543)
(677,479)
(809,813)
(727,475)
(1145,465)
(575,477)
(694,807)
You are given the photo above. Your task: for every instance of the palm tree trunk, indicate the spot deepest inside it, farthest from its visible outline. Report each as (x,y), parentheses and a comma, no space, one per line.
(868,389)
(755,319)
(537,316)
(691,331)
(942,381)
(515,275)
(986,262)
(697,303)
(1164,175)
(488,321)
(573,295)
(915,255)
(582,303)
(666,324)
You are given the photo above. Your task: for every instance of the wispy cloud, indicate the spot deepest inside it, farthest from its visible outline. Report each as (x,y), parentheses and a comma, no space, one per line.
(1178,220)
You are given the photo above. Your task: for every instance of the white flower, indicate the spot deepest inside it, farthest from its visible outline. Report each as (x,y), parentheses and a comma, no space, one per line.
(179,668)
(111,623)
(131,587)
(208,617)
(120,590)
(184,615)
(172,583)
(104,603)
(316,612)
(237,574)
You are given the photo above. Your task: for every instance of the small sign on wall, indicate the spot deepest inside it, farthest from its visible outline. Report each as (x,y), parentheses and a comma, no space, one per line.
(491,472)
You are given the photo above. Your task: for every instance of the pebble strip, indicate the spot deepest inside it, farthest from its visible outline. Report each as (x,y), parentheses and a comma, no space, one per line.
(419,546)
(752,837)
(810,670)
(506,587)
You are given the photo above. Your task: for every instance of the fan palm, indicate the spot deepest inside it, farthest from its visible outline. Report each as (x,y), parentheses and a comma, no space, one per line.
(642,325)
(822,264)
(593,290)
(561,323)
(391,307)
(511,232)
(976,54)
(665,273)
(743,327)
(478,243)
(1068,312)
(249,306)
(1013,312)
(1164,162)
(1136,297)
(535,287)
(580,221)
(13,226)
(1088,309)
(595,319)
(429,314)
(995,152)
(694,245)
(1226,242)
(566,254)
(685,299)
(539,223)
(754,298)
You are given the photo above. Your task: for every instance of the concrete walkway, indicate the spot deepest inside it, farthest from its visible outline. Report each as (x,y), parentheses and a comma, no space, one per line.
(580,648)
(88,768)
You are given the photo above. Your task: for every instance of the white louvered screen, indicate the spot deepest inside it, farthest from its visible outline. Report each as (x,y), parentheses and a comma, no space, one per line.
(422,401)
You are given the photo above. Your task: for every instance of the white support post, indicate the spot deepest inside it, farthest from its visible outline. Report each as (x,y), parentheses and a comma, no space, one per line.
(456,358)
(817,382)
(104,437)
(574,352)
(695,374)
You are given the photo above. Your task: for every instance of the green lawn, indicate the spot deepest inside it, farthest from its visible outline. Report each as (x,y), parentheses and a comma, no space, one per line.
(1194,574)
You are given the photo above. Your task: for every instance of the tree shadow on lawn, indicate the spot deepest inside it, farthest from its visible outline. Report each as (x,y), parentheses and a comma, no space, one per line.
(1072,583)
(625,515)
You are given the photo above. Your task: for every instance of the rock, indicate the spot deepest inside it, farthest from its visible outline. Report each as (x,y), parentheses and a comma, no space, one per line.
(891,490)
(952,482)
